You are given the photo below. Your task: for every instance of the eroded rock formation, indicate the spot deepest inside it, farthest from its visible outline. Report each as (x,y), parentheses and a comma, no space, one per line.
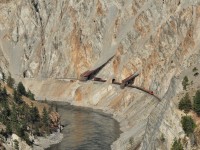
(160,38)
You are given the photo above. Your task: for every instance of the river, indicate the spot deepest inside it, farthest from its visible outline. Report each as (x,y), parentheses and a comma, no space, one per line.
(86,129)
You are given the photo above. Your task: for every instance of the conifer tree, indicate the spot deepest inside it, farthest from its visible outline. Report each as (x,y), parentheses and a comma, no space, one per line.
(17,97)
(21,89)
(45,119)
(35,117)
(8,128)
(185,103)
(185,82)
(30,95)
(177,145)
(196,105)
(188,124)
(10,81)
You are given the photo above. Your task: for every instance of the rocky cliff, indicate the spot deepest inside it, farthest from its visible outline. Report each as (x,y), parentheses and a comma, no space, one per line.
(42,39)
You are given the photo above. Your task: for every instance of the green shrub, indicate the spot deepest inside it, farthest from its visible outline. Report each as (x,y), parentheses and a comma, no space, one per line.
(162,138)
(194,69)
(16,145)
(196,74)
(177,145)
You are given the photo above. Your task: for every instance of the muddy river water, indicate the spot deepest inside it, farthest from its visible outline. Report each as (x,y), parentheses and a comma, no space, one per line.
(86,129)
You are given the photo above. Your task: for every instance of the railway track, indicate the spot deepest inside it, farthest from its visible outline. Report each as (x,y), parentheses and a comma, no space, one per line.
(116,83)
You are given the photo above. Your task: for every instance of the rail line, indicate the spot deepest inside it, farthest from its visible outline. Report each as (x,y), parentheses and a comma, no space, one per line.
(116,83)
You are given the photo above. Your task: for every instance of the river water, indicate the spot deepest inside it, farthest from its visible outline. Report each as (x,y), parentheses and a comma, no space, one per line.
(86,129)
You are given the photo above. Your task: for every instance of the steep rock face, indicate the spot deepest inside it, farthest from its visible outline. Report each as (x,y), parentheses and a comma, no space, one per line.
(40,38)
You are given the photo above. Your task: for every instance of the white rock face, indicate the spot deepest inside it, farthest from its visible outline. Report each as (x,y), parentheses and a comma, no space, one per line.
(60,38)
(10,145)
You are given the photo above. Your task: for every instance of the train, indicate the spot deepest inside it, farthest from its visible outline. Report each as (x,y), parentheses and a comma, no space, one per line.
(129,80)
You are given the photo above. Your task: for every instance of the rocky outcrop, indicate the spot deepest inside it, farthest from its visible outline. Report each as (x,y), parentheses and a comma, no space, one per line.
(15,142)
(48,39)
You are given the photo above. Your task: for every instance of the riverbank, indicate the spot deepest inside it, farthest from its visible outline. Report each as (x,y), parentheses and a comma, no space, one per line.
(45,142)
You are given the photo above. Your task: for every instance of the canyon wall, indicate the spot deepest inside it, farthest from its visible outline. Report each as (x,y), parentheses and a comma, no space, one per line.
(43,40)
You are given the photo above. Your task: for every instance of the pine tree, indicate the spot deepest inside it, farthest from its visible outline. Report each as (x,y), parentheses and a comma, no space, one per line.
(185,103)
(21,89)
(45,117)
(188,124)
(3,94)
(185,82)
(35,117)
(14,115)
(8,128)
(177,145)
(30,95)
(37,131)
(196,104)
(19,130)
(10,81)
(5,112)
(45,120)
(17,97)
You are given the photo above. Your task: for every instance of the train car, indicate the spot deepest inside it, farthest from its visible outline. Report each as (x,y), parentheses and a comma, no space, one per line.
(129,80)
(99,79)
(151,92)
(90,74)
(86,75)
(145,90)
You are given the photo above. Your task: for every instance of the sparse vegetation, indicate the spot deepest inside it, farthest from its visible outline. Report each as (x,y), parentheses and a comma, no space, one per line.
(56,108)
(16,145)
(3,77)
(185,103)
(188,124)
(177,145)
(194,69)
(196,74)
(131,143)
(185,82)
(162,138)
